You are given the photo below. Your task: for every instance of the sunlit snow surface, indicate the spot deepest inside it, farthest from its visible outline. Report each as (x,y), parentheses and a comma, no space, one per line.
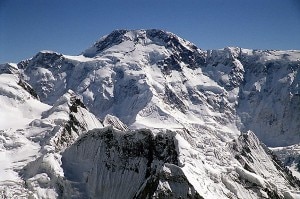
(196,104)
(18,109)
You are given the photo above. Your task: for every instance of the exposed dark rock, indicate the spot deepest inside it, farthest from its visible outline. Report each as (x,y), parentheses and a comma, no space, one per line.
(28,88)
(114,38)
(121,152)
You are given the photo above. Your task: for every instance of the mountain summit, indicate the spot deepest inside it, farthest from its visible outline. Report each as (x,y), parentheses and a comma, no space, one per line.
(147,114)
(142,37)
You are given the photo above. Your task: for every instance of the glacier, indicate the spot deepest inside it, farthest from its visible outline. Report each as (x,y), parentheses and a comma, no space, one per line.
(147,114)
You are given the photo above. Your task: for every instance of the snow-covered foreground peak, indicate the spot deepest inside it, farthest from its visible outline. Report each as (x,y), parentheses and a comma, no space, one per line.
(202,109)
(139,164)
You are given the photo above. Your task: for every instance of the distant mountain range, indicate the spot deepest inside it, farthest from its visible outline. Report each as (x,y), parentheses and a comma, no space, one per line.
(147,114)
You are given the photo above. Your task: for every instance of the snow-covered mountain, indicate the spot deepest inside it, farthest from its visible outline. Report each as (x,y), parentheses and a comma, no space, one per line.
(147,114)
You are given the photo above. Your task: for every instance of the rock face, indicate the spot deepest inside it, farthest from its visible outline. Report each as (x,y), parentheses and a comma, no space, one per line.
(106,163)
(125,165)
(146,114)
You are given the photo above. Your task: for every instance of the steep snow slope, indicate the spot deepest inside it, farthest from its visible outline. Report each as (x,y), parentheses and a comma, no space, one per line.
(133,161)
(17,108)
(24,108)
(196,103)
(62,125)
(269,98)
(152,78)
(29,129)
(165,165)
(112,164)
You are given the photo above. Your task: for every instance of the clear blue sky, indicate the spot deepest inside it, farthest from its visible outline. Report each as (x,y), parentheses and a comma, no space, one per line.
(70,26)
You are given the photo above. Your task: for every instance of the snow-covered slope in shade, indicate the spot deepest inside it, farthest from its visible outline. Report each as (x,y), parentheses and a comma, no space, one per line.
(124,165)
(269,99)
(111,164)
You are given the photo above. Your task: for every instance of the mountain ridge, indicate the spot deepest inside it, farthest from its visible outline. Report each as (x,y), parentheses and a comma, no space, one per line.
(204,107)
